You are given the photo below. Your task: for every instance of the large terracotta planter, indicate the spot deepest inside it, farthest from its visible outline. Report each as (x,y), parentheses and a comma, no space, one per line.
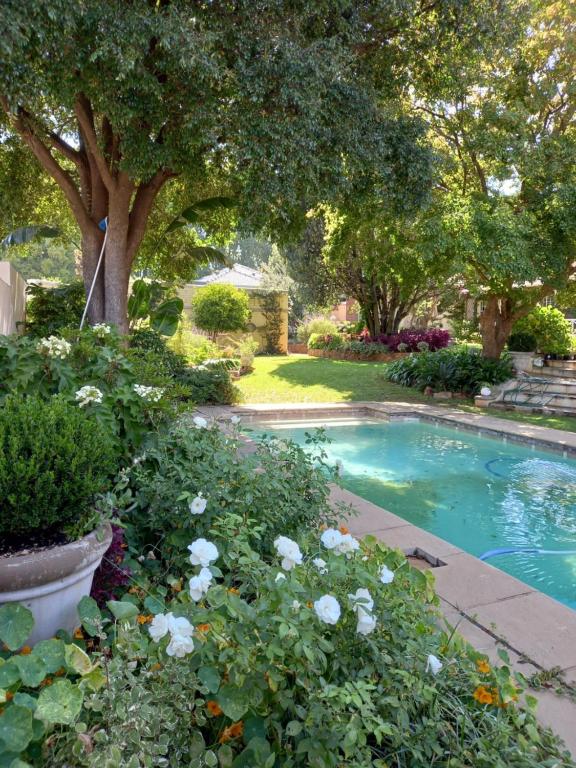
(51,582)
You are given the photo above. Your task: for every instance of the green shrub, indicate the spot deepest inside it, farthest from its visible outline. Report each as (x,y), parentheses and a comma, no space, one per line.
(456,369)
(331,341)
(279,486)
(210,384)
(522,341)
(220,309)
(317,325)
(53,460)
(55,365)
(50,309)
(553,333)
(169,362)
(193,346)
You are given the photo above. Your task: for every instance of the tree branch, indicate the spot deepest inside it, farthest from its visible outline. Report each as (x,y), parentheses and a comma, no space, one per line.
(83,111)
(141,207)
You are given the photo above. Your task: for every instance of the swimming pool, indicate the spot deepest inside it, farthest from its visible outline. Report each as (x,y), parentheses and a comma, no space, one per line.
(476,492)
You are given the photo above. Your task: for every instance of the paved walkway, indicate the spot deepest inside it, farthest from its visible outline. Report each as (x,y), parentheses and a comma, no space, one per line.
(490,609)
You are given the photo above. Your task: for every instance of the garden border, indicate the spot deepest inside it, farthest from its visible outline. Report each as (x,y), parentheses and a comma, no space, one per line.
(489,608)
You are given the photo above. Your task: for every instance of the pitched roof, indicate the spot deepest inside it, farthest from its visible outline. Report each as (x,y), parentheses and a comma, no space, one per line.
(237,274)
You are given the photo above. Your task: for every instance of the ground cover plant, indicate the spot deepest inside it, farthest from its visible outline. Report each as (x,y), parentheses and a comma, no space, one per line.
(457,369)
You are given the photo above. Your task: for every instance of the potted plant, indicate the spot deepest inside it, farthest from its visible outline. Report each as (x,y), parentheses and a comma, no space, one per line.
(54,460)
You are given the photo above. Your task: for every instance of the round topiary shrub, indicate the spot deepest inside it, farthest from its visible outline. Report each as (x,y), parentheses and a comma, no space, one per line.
(220,309)
(551,330)
(53,461)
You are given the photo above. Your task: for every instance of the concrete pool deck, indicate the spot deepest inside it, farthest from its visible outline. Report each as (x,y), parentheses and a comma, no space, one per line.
(489,608)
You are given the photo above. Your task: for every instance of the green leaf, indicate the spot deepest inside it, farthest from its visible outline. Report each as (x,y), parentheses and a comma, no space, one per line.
(123,611)
(193,214)
(210,758)
(52,654)
(254,727)
(16,623)
(293,728)
(25,700)
(59,703)
(77,660)
(9,673)
(24,235)
(234,702)
(225,756)
(139,300)
(154,605)
(90,615)
(210,677)
(32,669)
(165,318)
(93,680)
(16,728)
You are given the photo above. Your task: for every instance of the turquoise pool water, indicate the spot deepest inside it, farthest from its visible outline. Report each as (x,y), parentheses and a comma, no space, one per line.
(476,492)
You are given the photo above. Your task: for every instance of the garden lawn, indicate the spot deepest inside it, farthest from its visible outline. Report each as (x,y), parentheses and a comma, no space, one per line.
(303,379)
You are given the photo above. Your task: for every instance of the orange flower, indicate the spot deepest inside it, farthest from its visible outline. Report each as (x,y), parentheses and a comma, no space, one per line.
(234,591)
(309,604)
(47,681)
(214,708)
(78,634)
(9,695)
(25,650)
(483,667)
(155,667)
(177,586)
(203,628)
(483,695)
(343,530)
(60,672)
(144,619)
(232,732)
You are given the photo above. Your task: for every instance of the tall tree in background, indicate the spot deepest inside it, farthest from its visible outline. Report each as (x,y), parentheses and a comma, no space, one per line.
(506,194)
(273,104)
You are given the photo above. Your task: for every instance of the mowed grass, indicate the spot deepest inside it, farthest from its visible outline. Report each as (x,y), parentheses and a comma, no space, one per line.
(303,379)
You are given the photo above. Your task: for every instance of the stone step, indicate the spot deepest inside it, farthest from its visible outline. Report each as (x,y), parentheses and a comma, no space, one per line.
(557,371)
(548,386)
(538,399)
(569,365)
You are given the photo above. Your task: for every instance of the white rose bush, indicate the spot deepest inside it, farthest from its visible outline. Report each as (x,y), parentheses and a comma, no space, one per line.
(261,634)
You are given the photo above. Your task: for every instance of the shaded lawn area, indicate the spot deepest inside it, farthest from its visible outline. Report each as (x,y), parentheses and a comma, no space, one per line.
(303,379)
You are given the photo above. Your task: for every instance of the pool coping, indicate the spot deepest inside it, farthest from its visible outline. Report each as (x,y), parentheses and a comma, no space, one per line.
(489,608)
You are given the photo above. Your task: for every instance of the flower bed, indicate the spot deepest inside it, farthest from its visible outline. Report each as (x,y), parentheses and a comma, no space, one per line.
(254,632)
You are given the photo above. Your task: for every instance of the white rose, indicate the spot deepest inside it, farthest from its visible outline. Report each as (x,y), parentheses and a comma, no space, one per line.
(289,551)
(200,584)
(158,627)
(366,622)
(295,605)
(433,664)
(179,646)
(347,545)
(200,422)
(198,505)
(362,600)
(327,609)
(331,538)
(386,575)
(178,625)
(320,564)
(202,552)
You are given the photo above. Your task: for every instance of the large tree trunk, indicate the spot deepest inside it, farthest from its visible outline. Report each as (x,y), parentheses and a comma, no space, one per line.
(495,326)
(91,246)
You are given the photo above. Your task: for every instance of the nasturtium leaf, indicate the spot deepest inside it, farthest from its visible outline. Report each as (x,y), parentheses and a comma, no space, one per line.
(16,623)
(254,726)
(93,680)
(90,615)
(17,763)
(32,669)
(9,673)
(25,700)
(123,611)
(51,652)
(16,728)
(210,677)
(60,703)
(154,605)
(225,756)
(77,660)
(233,701)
